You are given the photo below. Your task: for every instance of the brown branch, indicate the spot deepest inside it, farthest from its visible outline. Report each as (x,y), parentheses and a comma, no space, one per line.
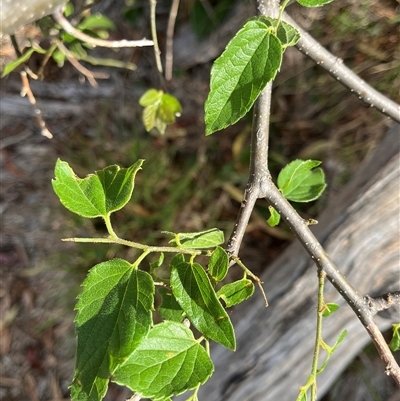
(26,91)
(391,365)
(258,168)
(83,70)
(382,302)
(260,185)
(169,54)
(335,67)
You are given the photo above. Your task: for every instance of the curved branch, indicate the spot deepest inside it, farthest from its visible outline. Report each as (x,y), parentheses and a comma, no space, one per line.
(359,304)
(66,25)
(334,65)
(261,185)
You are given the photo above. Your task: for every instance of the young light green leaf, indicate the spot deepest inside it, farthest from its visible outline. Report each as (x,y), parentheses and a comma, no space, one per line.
(59,57)
(169,109)
(313,3)
(156,264)
(21,60)
(275,217)
(250,60)
(169,308)
(286,33)
(199,240)
(341,337)
(394,344)
(167,362)
(149,116)
(84,197)
(329,309)
(160,110)
(118,184)
(218,264)
(114,314)
(301,181)
(194,293)
(236,292)
(150,97)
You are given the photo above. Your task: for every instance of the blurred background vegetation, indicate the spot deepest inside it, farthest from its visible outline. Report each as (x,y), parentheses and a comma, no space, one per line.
(188,182)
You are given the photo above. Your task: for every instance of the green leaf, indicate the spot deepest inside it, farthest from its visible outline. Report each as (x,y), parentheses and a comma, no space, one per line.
(69,9)
(194,293)
(21,60)
(395,341)
(150,97)
(218,264)
(301,181)
(236,292)
(169,309)
(329,309)
(155,265)
(98,194)
(286,33)
(199,240)
(59,57)
(169,109)
(313,3)
(341,337)
(78,50)
(96,21)
(167,362)
(84,197)
(114,314)
(250,60)
(160,109)
(275,217)
(149,117)
(118,184)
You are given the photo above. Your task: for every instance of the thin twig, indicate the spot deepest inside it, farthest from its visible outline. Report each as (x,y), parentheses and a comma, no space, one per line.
(383,302)
(253,276)
(209,11)
(19,54)
(157,53)
(83,70)
(391,366)
(131,244)
(66,25)
(169,52)
(334,65)
(26,91)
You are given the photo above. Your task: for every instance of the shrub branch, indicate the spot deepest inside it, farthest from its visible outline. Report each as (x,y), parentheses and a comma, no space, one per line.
(260,185)
(335,67)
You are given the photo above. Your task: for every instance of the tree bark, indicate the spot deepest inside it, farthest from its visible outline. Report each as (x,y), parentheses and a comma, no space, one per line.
(360,231)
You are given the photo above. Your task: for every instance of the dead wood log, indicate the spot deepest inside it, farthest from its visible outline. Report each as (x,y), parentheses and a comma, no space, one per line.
(360,230)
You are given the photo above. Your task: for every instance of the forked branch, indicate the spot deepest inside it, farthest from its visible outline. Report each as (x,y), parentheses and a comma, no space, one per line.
(260,185)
